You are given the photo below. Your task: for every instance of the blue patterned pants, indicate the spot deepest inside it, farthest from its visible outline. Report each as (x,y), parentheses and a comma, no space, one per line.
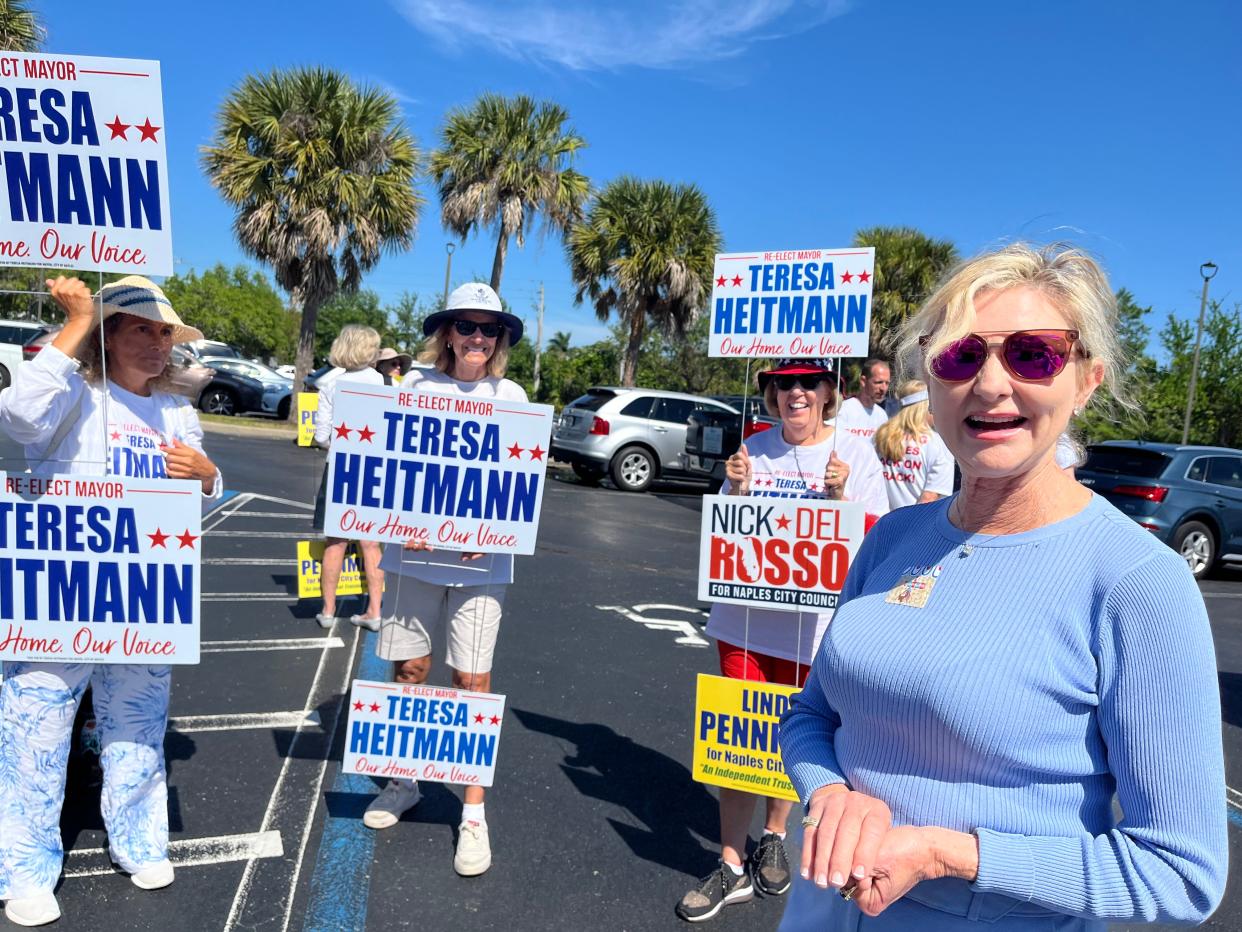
(37,706)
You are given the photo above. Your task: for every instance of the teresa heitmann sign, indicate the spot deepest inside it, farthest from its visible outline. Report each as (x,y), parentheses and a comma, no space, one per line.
(85,179)
(99,570)
(777,553)
(423,733)
(457,472)
(801,303)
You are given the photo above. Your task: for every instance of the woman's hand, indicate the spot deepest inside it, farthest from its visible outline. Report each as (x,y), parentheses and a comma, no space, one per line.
(74,297)
(471,557)
(738,472)
(185,462)
(835,474)
(846,838)
(418,544)
(910,855)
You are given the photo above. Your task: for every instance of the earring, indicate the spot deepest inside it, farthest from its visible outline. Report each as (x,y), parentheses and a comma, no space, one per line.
(1077,410)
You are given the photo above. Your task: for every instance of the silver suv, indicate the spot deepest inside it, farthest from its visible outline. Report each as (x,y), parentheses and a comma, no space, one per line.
(635,435)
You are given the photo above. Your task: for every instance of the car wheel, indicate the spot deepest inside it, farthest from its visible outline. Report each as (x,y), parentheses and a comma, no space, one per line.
(1196,543)
(5,379)
(590,475)
(633,469)
(217,400)
(282,410)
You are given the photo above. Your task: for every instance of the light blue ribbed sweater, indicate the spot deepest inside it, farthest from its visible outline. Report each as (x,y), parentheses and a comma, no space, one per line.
(1048,671)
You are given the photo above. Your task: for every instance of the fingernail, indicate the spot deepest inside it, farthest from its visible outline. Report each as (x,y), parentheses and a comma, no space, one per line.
(806,874)
(860,872)
(821,881)
(837,879)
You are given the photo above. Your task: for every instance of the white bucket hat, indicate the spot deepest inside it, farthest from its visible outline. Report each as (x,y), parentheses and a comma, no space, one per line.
(141,297)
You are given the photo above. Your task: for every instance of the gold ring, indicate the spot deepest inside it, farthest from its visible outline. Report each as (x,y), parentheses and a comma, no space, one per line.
(809,821)
(847,893)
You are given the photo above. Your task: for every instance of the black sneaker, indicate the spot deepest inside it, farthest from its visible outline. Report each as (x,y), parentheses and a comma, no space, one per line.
(718,889)
(769,866)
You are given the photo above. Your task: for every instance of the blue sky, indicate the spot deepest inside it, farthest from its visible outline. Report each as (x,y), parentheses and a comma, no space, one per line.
(1112,125)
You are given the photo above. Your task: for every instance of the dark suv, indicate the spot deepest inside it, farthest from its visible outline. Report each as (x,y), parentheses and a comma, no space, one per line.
(1190,497)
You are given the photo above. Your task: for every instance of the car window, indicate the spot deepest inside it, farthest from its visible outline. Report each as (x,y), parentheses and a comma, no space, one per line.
(593,400)
(639,407)
(1225,470)
(719,409)
(1125,461)
(19,335)
(1198,470)
(674,410)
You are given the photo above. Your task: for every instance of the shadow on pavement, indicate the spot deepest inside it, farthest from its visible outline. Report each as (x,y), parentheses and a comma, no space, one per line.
(656,789)
(1230,697)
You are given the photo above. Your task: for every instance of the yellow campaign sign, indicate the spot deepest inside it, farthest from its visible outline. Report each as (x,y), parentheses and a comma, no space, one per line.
(736,735)
(310,565)
(308,407)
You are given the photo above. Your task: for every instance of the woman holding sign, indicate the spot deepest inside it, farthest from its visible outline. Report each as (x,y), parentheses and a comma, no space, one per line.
(918,467)
(451,596)
(806,458)
(71,421)
(1014,718)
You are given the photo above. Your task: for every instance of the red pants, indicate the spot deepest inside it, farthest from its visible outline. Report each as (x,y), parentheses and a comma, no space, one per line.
(738,664)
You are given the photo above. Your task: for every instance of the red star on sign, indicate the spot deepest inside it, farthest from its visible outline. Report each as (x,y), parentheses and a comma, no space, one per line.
(116,435)
(357,706)
(187,539)
(515,452)
(495,719)
(148,131)
(720,281)
(479,718)
(118,128)
(158,538)
(737,281)
(864,276)
(343,431)
(366,434)
(847,277)
(782,522)
(374,706)
(535,452)
(814,486)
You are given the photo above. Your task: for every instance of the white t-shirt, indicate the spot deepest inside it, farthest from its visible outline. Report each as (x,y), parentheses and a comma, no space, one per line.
(779,470)
(327,396)
(926,467)
(445,567)
(855,419)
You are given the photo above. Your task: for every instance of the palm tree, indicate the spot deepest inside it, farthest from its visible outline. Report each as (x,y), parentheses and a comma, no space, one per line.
(500,162)
(908,264)
(645,250)
(559,342)
(20,29)
(321,173)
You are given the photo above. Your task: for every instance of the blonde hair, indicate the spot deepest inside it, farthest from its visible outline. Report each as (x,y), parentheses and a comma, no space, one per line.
(770,405)
(355,347)
(438,352)
(910,421)
(1069,278)
(91,361)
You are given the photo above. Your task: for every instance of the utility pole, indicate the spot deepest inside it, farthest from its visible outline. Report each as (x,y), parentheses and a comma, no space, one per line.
(538,339)
(448,271)
(1207,270)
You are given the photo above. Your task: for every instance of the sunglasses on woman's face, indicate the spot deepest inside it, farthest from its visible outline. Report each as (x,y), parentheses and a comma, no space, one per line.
(467,327)
(808,381)
(1027,355)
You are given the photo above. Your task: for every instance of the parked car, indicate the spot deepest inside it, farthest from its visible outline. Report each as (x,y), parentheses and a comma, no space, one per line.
(635,435)
(1188,496)
(15,337)
(287,371)
(211,349)
(240,386)
(713,436)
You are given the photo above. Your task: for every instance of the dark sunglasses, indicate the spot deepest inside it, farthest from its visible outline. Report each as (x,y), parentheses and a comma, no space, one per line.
(467,327)
(1028,355)
(807,380)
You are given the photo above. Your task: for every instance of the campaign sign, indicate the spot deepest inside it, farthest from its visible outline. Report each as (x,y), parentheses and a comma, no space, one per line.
(352,580)
(804,303)
(85,174)
(308,408)
(789,553)
(459,473)
(737,735)
(99,569)
(423,733)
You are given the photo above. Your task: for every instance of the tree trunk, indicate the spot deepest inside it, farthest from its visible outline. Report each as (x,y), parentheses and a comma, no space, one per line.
(629,360)
(498,264)
(310,304)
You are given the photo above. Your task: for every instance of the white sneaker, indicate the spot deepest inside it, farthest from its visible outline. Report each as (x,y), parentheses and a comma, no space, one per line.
(36,910)
(153,876)
(474,850)
(394,799)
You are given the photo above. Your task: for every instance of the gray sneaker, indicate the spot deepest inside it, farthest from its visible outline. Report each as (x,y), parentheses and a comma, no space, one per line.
(394,799)
(717,890)
(769,865)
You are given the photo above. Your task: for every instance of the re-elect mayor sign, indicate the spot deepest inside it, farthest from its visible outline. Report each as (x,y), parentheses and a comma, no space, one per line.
(85,179)
(99,570)
(458,473)
(801,303)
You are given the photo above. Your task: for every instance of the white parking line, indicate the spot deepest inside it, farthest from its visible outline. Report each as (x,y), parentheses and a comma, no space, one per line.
(288,535)
(1233,797)
(233,647)
(1222,595)
(186,724)
(185,852)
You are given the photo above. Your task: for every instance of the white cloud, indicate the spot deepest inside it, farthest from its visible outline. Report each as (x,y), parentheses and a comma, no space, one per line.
(583,36)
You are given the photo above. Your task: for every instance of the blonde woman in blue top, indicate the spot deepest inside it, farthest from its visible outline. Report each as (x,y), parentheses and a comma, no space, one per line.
(1008,662)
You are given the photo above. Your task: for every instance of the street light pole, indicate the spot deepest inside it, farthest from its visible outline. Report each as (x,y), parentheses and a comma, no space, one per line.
(1207,270)
(448,270)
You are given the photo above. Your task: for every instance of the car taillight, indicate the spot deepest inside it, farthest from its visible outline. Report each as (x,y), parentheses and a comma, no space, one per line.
(1152,493)
(599,426)
(755,427)
(29,352)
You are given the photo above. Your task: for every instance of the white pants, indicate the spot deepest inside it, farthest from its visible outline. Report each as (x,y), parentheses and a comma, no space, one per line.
(38,702)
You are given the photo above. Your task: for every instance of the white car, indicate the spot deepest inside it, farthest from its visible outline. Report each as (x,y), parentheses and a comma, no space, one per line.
(287,371)
(16,336)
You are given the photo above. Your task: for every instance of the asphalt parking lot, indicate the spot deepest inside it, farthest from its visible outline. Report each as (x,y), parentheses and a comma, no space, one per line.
(594,818)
